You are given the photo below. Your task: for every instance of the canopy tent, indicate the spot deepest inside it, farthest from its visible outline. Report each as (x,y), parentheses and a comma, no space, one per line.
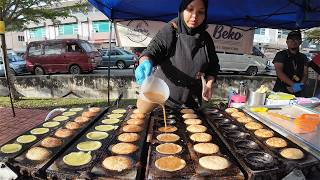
(280,14)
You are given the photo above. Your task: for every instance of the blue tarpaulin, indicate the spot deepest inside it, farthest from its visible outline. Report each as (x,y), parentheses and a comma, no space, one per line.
(280,14)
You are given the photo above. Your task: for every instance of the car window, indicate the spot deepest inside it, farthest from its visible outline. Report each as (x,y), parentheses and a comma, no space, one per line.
(128,52)
(87,46)
(73,47)
(35,50)
(114,53)
(52,49)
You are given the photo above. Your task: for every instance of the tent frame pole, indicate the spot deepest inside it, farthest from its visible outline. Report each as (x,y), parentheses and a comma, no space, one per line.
(109,60)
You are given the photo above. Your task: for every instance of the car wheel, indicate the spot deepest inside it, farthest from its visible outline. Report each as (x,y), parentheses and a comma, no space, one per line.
(121,65)
(38,70)
(75,69)
(252,71)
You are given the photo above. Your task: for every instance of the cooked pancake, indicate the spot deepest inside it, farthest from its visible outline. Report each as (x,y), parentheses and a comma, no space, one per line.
(135,121)
(50,124)
(26,139)
(132,128)
(231,110)
(82,119)
(168,137)
(201,137)
(105,128)
(10,148)
(117,163)
(169,148)
(128,137)
(51,142)
(89,145)
(69,113)
(238,114)
(76,109)
(189,116)
(206,148)
(60,118)
(244,119)
(264,133)
(276,142)
(192,121)
(97,135)
(110,121)
(214,162)
(292,153)
(196,128)
(63,133)
(170,163)
(124,148)
(187,111)
(253,126)
(95,109)
(39,131)
(72,125)
(114,116)
(136,111)
(168,129)
(138,116)
(119,111)
(88,114)
(38,154)
(77,158)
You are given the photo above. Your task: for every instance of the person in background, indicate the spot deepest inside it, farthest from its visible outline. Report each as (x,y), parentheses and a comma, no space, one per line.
(183,52)
(315,65)
(291,66)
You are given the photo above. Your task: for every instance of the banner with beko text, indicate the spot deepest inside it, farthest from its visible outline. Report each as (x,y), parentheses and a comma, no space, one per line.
(138,33)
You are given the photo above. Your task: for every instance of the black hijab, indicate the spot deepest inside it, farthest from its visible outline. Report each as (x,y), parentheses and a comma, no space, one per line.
(182,26)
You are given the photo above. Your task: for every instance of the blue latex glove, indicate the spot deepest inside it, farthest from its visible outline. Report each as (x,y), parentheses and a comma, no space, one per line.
(143,71)
(296,87)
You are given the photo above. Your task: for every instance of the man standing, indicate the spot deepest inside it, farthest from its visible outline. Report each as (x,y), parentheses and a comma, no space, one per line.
(291,66)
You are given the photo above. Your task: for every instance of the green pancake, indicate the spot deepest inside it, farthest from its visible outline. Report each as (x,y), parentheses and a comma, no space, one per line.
(97,135)
(39,131)
(10,148)
(50,124)
(26,139)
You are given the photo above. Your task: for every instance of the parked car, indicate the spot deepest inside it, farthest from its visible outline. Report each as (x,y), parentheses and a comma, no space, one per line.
(72,56)
(17,65)
(118,57)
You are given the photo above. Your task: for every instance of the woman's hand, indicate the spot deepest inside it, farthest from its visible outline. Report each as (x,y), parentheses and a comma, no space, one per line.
(206,93)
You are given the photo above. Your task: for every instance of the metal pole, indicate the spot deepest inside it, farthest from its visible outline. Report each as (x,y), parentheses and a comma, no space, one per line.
(109,60)
(5,61)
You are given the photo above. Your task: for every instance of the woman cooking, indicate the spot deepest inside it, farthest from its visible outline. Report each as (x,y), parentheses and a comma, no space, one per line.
(183,52)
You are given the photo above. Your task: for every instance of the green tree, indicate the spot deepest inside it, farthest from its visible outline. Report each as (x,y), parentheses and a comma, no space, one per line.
(313,35)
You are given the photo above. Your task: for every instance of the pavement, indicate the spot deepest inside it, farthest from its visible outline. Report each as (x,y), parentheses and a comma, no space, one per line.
(25,119)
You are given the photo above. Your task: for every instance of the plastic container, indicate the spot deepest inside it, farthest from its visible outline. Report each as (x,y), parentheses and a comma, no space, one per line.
(256,98)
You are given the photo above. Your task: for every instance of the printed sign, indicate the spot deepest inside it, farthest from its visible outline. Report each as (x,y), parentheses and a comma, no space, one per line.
(2,27)
(138,33)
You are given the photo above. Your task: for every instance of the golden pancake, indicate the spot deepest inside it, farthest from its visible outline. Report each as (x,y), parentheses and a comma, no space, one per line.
(104,128)
(231,110)
(187,111)
(60,118)
(76,109)
(238,114)
(169,148)
(39,131)
(119,111)
(276,142)
(263,133)
(253,126)
(168,129)
(206,148)
(88,114)
(63,133)
(69,114)
(26,139)
(117,163)
(38,154)
(110,121)
(168,137)
(170,163)
(51,142)
(10,148)
(95,109)
(201,137)
(135,121)
(138,116)
(81,119)
(128,137)
(189,116)
(214,162)
(132,128)
(97,135)
(72,125)
(124,148)
(196,128)
(50,124)
(89,145)
(192,121)
(114,116)
(244,119)
(292,153)
(77,158)
(136,111)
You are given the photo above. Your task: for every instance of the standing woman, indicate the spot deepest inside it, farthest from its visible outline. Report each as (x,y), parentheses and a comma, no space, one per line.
(183,51)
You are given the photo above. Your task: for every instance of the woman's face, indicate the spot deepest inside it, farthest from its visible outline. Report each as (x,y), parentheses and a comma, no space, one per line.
(194,14)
